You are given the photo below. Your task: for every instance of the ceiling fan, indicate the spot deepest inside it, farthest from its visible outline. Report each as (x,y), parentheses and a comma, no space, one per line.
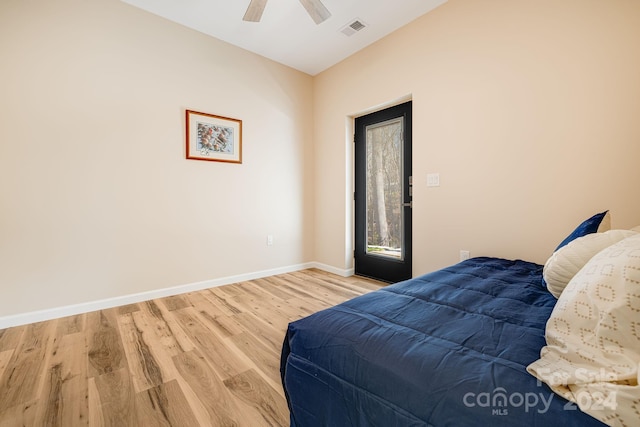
(318,12)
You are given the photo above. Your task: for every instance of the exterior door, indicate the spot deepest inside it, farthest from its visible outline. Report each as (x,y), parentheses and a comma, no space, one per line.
(383,194)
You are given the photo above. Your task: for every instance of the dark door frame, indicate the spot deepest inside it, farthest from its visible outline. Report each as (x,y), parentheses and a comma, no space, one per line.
(374,266)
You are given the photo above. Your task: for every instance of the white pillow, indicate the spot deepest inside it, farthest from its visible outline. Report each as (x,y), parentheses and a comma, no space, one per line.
(569,259)
(593,337)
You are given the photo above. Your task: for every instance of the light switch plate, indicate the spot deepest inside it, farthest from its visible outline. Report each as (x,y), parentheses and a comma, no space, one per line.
(433,180)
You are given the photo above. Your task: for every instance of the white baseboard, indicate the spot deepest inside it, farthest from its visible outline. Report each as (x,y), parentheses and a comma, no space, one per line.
(70,310)
(330,269)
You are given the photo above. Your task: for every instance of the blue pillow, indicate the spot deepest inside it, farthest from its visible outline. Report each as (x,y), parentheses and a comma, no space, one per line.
(588,226)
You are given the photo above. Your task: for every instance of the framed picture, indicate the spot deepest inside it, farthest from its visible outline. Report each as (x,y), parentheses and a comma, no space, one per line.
(213,138)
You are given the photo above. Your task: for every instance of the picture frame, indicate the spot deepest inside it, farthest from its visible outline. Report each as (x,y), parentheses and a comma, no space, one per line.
(213,138)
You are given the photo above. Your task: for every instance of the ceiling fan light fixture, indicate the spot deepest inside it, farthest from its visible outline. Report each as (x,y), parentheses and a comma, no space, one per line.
(316,10)
(254,11)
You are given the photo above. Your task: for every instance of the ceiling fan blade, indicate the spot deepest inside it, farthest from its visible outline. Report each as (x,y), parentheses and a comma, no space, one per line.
(318,12)
(254,11)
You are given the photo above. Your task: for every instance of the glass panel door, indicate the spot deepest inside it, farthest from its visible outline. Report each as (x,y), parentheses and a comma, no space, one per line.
(383,194)
(384,189)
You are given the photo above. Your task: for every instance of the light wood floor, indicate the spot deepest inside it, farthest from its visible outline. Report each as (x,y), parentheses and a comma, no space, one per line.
(207,358)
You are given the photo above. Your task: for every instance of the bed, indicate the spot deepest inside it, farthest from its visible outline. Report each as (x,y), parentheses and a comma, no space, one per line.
(449,348)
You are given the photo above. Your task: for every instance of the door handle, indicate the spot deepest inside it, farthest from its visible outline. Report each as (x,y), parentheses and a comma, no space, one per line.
(408,205)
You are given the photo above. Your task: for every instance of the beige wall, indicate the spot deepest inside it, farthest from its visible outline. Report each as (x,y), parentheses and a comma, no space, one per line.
(529,110)
(96,198)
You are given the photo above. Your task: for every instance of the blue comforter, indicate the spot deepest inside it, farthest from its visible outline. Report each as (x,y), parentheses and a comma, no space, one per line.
(449,348)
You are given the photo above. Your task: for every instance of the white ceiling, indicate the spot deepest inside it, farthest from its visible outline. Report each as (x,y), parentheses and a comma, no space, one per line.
(286,33)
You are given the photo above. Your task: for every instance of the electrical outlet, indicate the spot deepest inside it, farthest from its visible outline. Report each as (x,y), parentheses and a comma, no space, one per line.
(464,255)
(270,240)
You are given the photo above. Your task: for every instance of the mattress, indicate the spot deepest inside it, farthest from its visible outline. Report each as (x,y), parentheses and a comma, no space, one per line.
(449,348)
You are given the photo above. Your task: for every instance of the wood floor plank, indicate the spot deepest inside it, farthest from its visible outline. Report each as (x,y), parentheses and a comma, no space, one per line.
(323,290)
(255,290)
(250,388)
(116,397)
(10,337)
(175,302)
(206,358)
(164,405)
(268,285)
(300,307)
(219,306)
(173,336)
(129,308)
(71,325)
(213,396)
(224,324)
(161,334)
(357,283)
(5,357)
(22,377)
(224,362)
(265,358)
(63,398)
(96,417)
(293,286)
(23,414)
(105,346)
(145,371)
(231,290)
(149,345)
(325,287)
(52,402)
(276,310)
(270,335)
(223,298)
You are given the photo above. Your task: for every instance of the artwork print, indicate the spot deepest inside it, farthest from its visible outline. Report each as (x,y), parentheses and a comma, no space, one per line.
(214,138)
